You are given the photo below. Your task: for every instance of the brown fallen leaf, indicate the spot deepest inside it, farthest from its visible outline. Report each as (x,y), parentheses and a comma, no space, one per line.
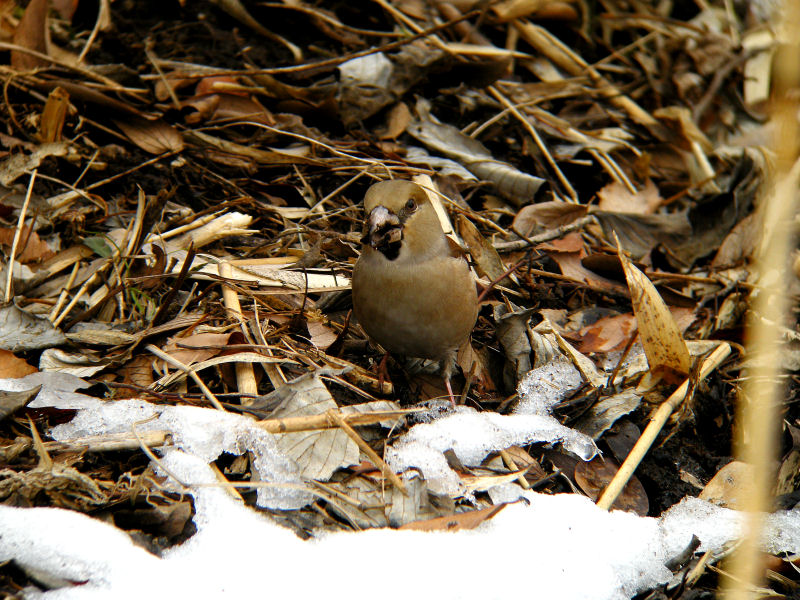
(731,486)
(607,334)
(13,367)
(196,348)
(53,115)
(397,119)
(571,266)
(612,333)
(456,522)
(615,197)
(30,249)
(487,261)
(593,476)
(321,334)
(155,137)
(547,215)
(661,338)
(31,34)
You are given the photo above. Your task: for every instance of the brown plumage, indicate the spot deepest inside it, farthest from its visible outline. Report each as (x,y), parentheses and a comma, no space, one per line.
(411,294)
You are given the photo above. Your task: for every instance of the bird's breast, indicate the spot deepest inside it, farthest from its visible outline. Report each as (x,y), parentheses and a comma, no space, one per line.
(421,309)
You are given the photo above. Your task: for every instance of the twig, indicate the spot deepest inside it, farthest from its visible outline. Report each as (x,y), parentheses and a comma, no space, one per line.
(330,63)
(545,236)
(111,442)
(336,417)
(17,233)
(511,464)
(191,373)
(245,375)
(314,422)
(537,140)
(81,292)
(657,421)
(65,291)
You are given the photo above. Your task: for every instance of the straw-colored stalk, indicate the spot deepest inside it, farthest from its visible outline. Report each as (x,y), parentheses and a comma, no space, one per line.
(762,392)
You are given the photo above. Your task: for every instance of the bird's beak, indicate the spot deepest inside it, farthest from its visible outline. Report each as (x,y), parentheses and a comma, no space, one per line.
(383,229)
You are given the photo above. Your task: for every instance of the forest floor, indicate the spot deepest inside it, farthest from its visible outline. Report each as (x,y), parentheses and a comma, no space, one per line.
(181,209)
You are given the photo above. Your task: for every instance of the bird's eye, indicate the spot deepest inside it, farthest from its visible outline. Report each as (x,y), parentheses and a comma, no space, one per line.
(411,205)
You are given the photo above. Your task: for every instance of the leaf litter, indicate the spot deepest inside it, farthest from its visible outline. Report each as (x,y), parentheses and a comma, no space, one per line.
(179,227)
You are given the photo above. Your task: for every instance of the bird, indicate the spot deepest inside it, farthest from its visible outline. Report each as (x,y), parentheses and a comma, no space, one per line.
(412,294)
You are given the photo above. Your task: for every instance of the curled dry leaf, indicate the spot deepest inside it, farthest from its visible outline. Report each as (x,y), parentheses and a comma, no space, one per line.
(397,119)
(547,215)
(79,364)
(512,183)
(661,338)
(487,261)
(53,115)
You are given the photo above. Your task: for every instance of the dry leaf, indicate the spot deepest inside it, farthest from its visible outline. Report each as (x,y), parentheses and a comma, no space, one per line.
(317,453)
(661,338)
(322,335)
(11,402)
(31,33)
(155,137)
(137,372)
(487,261)
(515,185)
(547,215)
(53,115)
(12,367)
(593,477)
(570,264)
(739,244)
(196,348)
(607,334)
(21,164)
(456,522)
(731,486)
(615,197)
(30,247)
(397,120)
(604,413)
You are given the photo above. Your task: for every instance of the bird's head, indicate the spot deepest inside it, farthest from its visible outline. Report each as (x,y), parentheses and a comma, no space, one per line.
(400,216)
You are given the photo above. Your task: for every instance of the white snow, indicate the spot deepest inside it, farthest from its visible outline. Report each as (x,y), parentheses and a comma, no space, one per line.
(472,436)
(559,546)
(565,544)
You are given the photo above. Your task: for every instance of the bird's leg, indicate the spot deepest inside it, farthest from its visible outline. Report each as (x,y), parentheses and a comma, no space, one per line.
(382,370)
(448,366)
(450,391)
